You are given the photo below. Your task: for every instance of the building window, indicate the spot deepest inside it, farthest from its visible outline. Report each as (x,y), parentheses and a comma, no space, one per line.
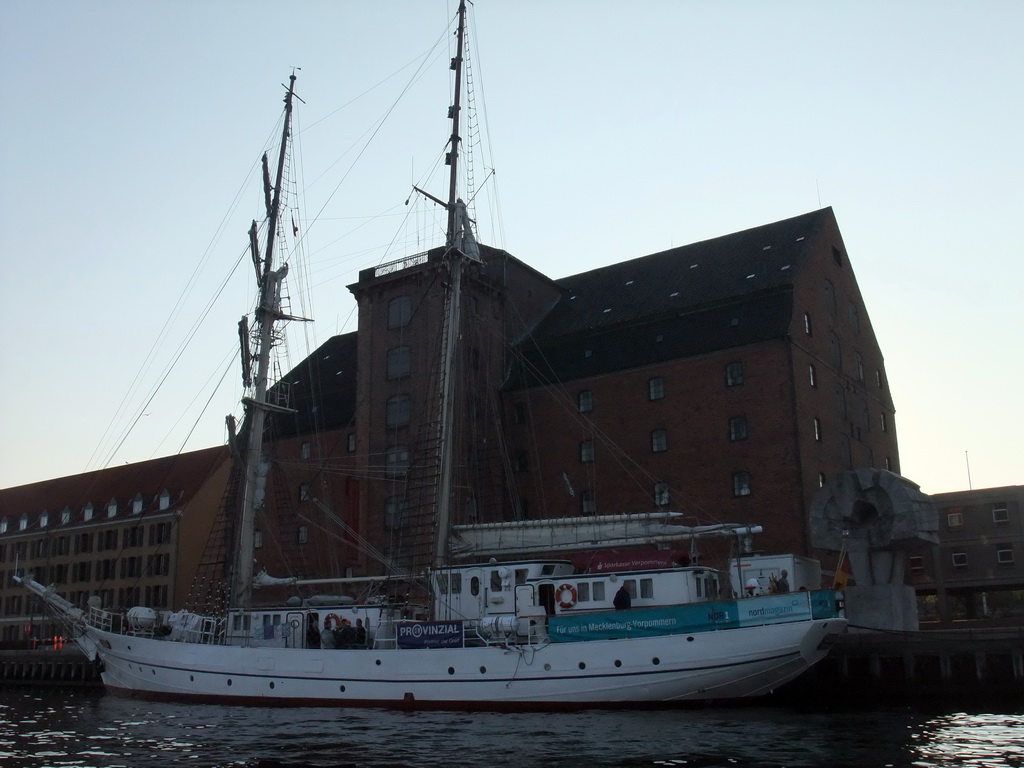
(257,539)
(916,563)
(87,512)
(587,503)
(878,378)
(397,461)
(888,464)
(837,256)
(398,412)
(656,388)
(44,519)
(830,297)
(585,400)
(23,523)
(304,492)
(399,362)
(733,374)
(3,525)
(659,441)
(394,510)
(112,508)
(519,413)
(854,318)
(817,429)
(165,499)
(352,442)
(65,515)
(737,428)
(955,520)
(959,559)
(741,484)
(1000,516)
(521,461)
(399,312)
(304,451)
(587,451)
(858,367)
(807,324)
(1004,554)
(835,351)
(813,375)
(821,479)
(662,495)
(303,534)
(885,422)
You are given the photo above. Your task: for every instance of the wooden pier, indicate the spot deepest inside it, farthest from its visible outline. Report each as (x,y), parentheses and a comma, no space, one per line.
(59,667)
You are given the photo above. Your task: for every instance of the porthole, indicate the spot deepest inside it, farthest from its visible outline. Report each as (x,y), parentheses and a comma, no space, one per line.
(618,663)
(341,688)
(451,670)
(483,670)
(153,671)
(547,667)
(655,661)
(271,686)
(191,678)
(229,681)
(378,662)
(689,639)
(583,665)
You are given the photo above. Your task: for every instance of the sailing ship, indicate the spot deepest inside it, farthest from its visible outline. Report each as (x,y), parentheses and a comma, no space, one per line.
(497,634)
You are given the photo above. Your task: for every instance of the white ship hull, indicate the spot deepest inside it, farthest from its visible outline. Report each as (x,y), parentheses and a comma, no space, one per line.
(706,666)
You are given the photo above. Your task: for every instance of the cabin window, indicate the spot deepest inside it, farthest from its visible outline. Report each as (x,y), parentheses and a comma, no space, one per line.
(733,374)
(398,411)
(456,582)
(583,592)
(474,585)
(521,574)
(399,312)
(738,428)
(656,388)
(442,584)
(659,441)
(587,451)
(647,588)
(741,484)
(598,591)
(399,362)
(495,581)
(585,400)
(630,585)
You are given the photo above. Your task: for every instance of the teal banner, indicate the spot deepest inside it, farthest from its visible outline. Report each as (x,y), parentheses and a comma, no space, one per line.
(697,617)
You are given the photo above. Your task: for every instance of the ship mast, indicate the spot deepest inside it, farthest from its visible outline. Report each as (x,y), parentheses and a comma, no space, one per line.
(267,313)
(454,257)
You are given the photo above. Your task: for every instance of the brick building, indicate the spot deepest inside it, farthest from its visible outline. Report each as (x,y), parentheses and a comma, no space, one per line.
(976,571)
(723,379)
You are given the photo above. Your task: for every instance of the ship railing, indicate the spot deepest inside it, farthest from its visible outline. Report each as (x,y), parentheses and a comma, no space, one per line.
(100,619)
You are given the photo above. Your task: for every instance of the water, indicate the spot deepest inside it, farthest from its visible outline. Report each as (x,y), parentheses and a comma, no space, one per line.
(44,728)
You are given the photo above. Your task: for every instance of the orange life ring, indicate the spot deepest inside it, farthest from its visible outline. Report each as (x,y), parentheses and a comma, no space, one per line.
(335,620)
(563,601)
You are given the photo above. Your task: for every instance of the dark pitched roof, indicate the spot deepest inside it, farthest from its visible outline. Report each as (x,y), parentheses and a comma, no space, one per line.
(322,388)
(181,475)
(715,294)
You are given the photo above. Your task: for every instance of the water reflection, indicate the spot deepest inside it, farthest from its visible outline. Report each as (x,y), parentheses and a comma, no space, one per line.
(91,730)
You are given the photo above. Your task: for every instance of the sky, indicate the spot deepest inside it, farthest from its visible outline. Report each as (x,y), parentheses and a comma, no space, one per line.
(607,129)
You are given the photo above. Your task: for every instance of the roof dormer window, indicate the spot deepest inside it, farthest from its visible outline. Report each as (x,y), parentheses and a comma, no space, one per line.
(87,512)
(137,504)
(165,499)
(112,508)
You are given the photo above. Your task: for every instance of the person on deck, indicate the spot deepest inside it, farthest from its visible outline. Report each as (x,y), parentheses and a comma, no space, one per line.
(623,599)
(312,631)
(782,585)
(327,635)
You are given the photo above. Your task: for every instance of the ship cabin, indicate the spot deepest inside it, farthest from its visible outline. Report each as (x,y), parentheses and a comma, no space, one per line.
(552,588)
